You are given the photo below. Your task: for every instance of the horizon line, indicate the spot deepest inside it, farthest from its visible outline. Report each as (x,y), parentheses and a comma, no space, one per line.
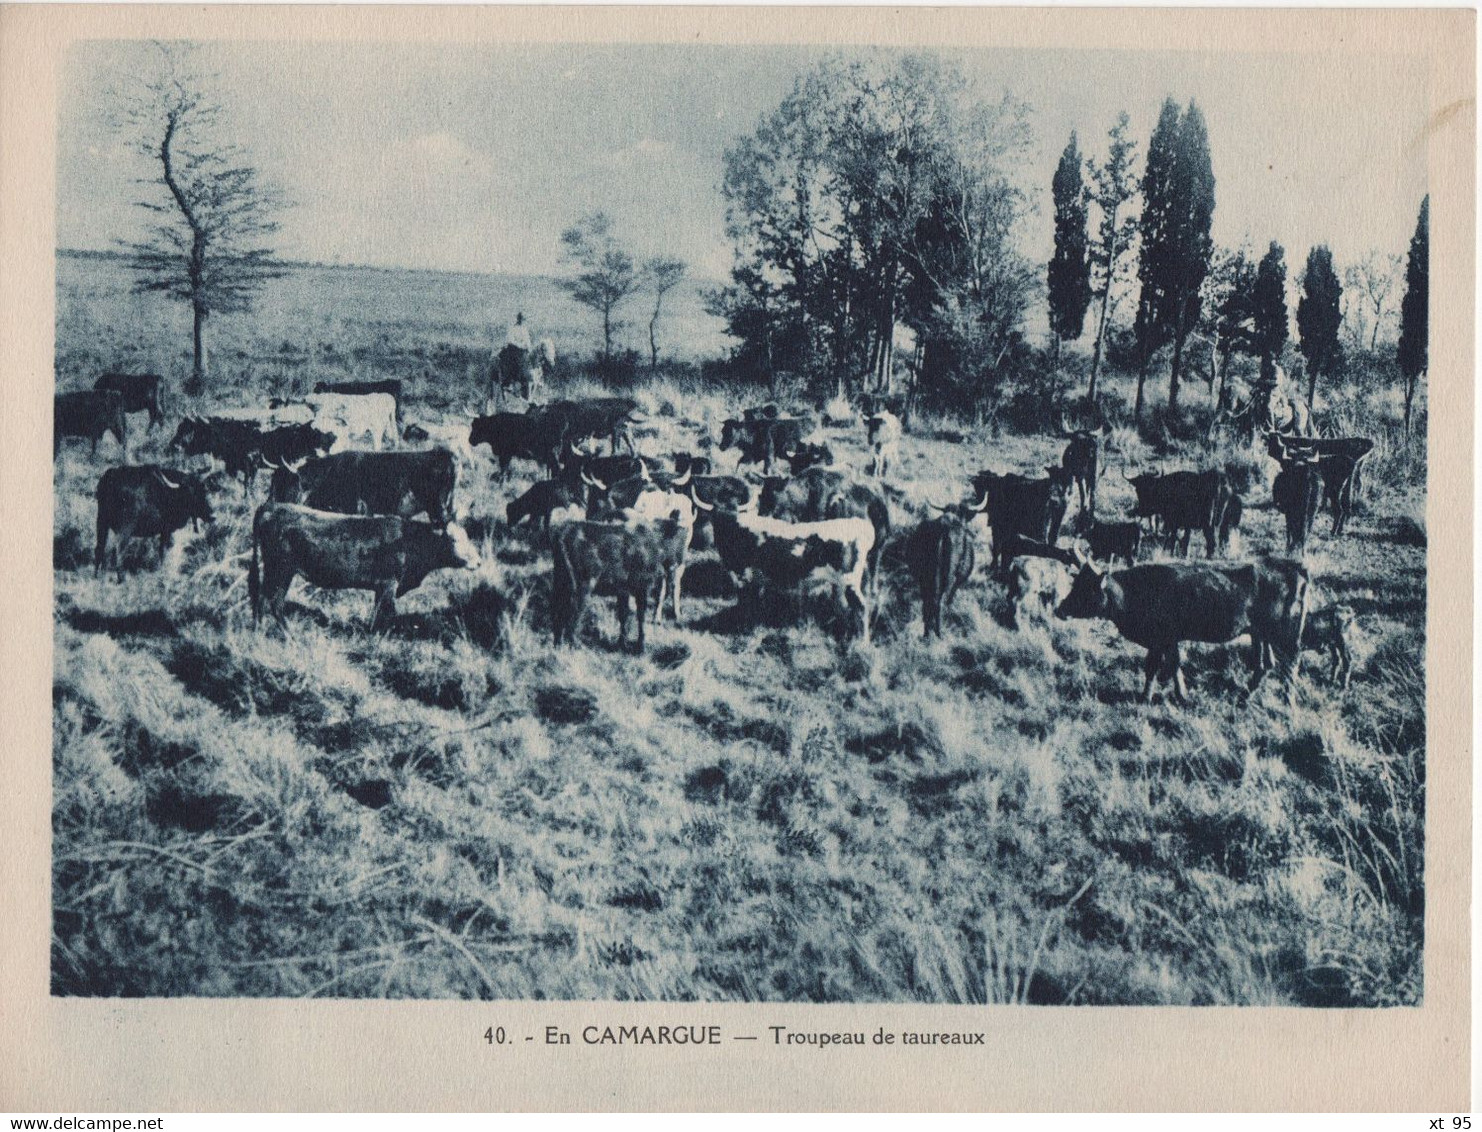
(110,253)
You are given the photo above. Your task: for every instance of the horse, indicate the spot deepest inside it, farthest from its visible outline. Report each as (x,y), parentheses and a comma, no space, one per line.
(524,371)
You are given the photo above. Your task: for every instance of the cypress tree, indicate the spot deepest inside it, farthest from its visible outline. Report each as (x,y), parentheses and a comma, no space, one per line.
(1319,315)
(1269,297)
(1414,348)
(1154,223)
(1070,269)
(1188,235)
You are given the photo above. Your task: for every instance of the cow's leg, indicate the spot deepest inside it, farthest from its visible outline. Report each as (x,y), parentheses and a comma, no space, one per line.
(854,599)
(122,537)
(622,614)
(1342,663)
(560,615)
(1149,672)
(385,606)
(1262,659)
(102,547)
(663,593)
(678,578)
(164,548)
(1181,690)
(640,599)
(275,586)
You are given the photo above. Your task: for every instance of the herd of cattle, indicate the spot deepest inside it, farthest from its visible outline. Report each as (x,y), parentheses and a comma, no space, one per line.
(343,515)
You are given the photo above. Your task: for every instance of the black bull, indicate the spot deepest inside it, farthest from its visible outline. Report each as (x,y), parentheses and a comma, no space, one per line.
(940,554)
(764,440)
(88,414)
(1340,463)
(243,447)
(140,393)
(1185,502)
(1080,459)
(1161,605)
(1019,507)
(1297,494)
(387,555)
(629,560)
(373,483)
(146,501)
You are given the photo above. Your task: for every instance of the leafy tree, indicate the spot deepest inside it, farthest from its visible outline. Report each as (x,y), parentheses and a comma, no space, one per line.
(606,273)
(1070,270)
(663,275)
(1319,315)
(878,194)
(1113,187)
(1270,315)
(793,299)
(1229,314)
(213,210)
(1414,346)
(969,284)
(1373,279)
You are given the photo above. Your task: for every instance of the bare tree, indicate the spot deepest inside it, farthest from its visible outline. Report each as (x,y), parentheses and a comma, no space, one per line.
(1114,189)
(213,211)
(606,274)
(1374,278)
(663,276)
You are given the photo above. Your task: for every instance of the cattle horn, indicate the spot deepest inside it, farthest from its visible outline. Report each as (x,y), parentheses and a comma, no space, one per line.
(937,507)
(166,480)
(981,505)
(680,481)
(1123,469)
(1065,429)
(698,502)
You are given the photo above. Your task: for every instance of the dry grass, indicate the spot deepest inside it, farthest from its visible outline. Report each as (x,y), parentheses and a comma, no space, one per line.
(454,810)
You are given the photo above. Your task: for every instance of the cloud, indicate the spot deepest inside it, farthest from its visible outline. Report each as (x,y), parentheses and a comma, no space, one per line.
(442,153)
(643,151)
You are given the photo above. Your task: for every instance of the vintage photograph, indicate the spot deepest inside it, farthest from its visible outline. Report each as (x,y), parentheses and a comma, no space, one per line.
(721,523)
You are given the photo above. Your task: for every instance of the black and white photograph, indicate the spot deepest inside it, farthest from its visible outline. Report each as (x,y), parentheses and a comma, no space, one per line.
(705,523)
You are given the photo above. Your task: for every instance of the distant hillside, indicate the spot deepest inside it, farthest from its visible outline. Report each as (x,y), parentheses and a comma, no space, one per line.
(316,304)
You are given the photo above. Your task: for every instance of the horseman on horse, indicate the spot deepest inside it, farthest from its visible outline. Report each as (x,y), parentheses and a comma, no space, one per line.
(519,365)
(1272,405)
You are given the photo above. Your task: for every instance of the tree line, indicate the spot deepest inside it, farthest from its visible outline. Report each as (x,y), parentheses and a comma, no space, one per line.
(884,195)
(1186,285)
(880,195)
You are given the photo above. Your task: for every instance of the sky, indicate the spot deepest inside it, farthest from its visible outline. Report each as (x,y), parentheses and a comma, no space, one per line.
(476,157)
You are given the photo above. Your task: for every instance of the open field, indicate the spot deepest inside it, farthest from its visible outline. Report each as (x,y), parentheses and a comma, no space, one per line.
(454,809)
(345,321)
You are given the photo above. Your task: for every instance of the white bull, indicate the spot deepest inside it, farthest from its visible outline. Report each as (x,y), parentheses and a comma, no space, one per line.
(854,539)
(885,439)
(352,416)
